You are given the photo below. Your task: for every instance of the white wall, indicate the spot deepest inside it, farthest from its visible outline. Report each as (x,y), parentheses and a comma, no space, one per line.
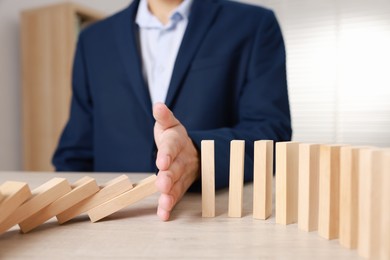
(338,69)
(338,61)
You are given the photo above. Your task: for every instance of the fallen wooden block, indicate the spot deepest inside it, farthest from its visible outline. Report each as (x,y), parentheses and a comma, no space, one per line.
(329,191)
(141,190)
(14,194)
(108,191)
(208,179)
(349,184)
(81,189)
(42,197)
(236,179)
(286,183)
(262,179)
(308,175)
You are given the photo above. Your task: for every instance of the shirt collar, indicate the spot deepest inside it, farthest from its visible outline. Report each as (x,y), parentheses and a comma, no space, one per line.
(145,19)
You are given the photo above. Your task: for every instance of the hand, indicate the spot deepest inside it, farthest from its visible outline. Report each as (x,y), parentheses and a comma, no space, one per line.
(177,159)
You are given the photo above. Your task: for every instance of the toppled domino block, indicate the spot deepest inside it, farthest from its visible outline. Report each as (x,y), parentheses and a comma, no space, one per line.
(81,189)
(108,191)
(14,194)
(42,197)
(141,190)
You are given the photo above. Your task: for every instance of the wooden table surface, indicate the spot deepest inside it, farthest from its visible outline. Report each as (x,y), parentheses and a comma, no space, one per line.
(137,233)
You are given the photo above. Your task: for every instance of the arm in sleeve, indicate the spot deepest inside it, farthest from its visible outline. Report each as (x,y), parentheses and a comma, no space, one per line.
(263,103)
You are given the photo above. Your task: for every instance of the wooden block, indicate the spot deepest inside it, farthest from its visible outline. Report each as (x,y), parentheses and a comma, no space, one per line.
(15,193)
(141,190)
(376,197)
(108,191)
(385,218)
(369,203)
(236,179)
(81,189)
(286,186)
(349,183)
(329,191)
(42,197)
(364,208)
(1,197)
(208,179)
(308,175)
(262,179)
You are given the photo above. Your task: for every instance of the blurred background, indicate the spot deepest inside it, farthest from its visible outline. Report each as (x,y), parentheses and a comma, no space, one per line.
(338,61)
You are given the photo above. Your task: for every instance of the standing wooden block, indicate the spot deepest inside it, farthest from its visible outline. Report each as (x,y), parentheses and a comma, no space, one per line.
(365,174)
(208,179)
(108,191)
(309,161)
(385,225)
(369,203)
(376,197)
(349,183)
(262,179)
(236,179)
(15,193)
(329,192)
(286,186)
(81,189)
(42,197)
(141,190)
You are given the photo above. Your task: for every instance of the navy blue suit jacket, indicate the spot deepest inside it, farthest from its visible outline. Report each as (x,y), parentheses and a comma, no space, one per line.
(229,82)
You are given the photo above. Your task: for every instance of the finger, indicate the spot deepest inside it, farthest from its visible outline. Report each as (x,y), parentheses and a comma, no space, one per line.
(168,149)
(165,205)
(164,182)
(166,179)
(163,214)
(164,117)
(166,202)
(163,161)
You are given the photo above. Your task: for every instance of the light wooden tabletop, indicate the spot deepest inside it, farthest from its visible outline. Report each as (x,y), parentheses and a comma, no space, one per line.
(137,233)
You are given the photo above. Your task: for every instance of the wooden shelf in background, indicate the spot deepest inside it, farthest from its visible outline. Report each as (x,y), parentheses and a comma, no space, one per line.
(48,40)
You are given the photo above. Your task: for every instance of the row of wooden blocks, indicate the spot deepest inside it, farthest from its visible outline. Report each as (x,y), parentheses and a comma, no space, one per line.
(57,198)
(339,190)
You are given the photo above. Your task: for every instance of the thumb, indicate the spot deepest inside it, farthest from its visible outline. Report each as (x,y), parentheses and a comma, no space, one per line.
(164,117)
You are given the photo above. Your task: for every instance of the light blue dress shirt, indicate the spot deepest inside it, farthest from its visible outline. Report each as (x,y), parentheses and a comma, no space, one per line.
(159,46)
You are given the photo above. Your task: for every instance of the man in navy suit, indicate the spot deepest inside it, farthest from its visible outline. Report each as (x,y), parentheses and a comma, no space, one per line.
(152,81)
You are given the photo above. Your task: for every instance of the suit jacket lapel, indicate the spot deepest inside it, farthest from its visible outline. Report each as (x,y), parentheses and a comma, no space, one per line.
(127,43)
(200,19)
